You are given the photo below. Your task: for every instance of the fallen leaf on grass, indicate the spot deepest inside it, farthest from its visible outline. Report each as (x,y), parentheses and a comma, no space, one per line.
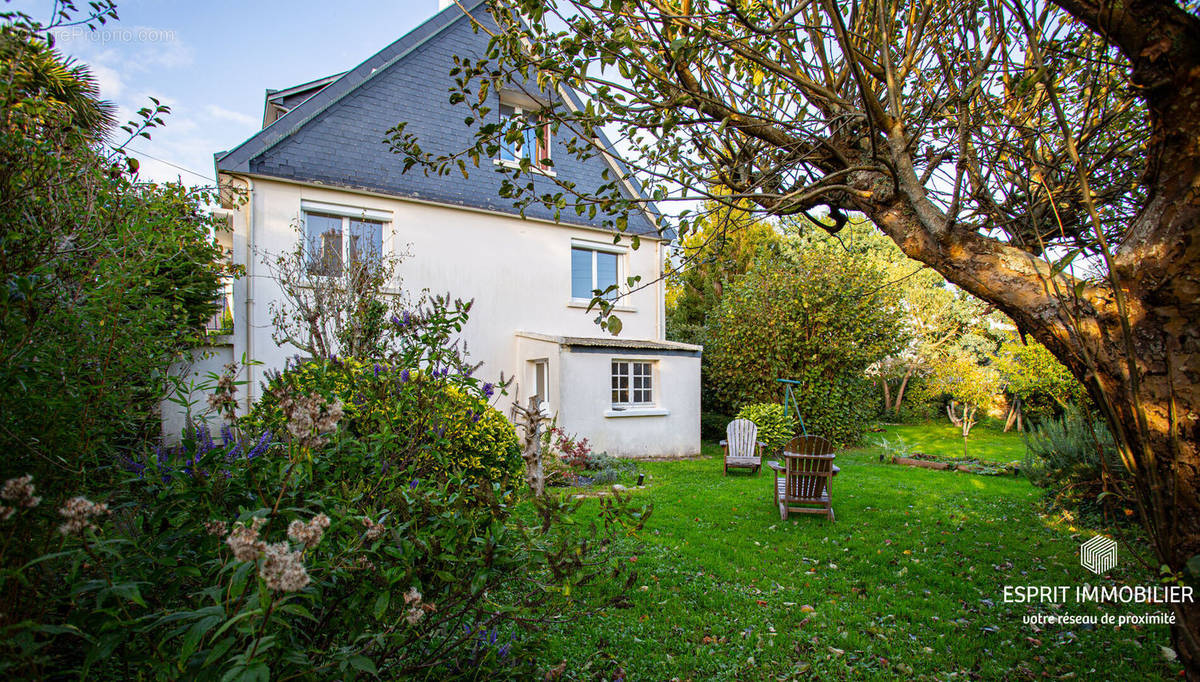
(556,672)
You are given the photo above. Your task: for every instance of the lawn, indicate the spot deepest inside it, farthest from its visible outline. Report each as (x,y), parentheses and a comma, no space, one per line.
(907,583)
(987,441)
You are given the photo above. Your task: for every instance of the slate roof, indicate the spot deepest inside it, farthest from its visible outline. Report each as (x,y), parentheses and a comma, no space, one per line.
(336,136)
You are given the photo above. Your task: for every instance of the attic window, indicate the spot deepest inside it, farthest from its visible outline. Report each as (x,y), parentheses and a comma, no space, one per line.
(533,138)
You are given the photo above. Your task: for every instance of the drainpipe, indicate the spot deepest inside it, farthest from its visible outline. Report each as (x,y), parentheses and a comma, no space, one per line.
(248,317)
(660,313)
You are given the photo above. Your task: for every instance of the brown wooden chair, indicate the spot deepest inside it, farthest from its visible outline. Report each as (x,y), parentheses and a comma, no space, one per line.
(802,482)
(742,446)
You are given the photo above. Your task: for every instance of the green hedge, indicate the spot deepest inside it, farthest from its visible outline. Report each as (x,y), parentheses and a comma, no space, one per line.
(820,319)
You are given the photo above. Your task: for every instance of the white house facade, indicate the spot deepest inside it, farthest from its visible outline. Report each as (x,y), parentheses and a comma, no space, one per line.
(319,168)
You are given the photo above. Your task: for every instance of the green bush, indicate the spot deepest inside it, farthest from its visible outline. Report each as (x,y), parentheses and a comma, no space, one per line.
(775,427)
(107,279)
(1069,456)
(820,318)
(439,427)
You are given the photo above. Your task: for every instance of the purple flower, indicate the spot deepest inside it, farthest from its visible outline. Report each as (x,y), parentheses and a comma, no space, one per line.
(396,321)
(378,369)
(404,376)
(415,483)
(226,435)
(488,390)
(263,442)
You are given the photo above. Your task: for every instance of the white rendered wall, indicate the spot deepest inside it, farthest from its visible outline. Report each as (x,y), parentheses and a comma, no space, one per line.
(203,361)
(518,271)
(585,405)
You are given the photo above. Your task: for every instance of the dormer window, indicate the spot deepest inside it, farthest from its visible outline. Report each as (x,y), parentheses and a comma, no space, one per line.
(534,141)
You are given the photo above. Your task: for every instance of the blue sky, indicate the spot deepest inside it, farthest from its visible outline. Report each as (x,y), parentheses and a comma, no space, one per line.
(212,60)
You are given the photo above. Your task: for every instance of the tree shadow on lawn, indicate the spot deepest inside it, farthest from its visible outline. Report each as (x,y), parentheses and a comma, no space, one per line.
(909,581)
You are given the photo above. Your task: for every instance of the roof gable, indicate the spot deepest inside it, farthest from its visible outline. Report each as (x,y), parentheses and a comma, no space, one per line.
(337,136)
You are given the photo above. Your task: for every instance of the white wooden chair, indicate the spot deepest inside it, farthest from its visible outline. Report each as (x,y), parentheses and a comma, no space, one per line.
(741,445)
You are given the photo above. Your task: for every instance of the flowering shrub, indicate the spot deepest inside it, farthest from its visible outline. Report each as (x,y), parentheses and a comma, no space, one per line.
(314,562)
(199,454)
(436,425)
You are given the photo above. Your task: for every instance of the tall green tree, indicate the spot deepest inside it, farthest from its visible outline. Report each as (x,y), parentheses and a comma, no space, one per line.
(937,315)
(1037,384)
(711,257)
(817,318)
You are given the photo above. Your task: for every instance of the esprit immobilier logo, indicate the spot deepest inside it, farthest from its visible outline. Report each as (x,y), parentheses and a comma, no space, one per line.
(1098,555)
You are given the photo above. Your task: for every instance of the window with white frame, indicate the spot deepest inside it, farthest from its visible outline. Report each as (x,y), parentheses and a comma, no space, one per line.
(533,140)
(632,383)
(593,269)
(331,241)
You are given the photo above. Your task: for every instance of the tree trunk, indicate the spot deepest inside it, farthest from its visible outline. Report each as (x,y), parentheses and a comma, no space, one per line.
(531,451)
(954,418)
(903,385)
(1014,416)
(1161,429)
(887,398)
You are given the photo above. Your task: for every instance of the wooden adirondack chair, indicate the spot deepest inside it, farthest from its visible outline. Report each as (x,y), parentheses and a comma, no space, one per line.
(802,482)
(741,445)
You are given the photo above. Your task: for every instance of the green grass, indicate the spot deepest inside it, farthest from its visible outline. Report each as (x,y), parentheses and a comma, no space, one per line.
(908,583)
(987,441)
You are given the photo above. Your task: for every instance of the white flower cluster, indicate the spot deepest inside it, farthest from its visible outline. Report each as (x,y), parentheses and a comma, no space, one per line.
(244,542)
(374,530)
(78,512)
(282,568)
(18,492)
(416,608)
(309,534)
(310,417)
(223,400)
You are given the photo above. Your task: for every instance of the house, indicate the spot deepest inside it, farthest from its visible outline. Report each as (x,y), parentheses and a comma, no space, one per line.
(320,163)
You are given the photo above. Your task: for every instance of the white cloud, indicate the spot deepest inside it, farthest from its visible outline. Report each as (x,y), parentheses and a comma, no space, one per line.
(238,117)
(124,59)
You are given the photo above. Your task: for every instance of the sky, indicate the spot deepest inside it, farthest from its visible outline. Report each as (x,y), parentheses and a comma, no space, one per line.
(211,61)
